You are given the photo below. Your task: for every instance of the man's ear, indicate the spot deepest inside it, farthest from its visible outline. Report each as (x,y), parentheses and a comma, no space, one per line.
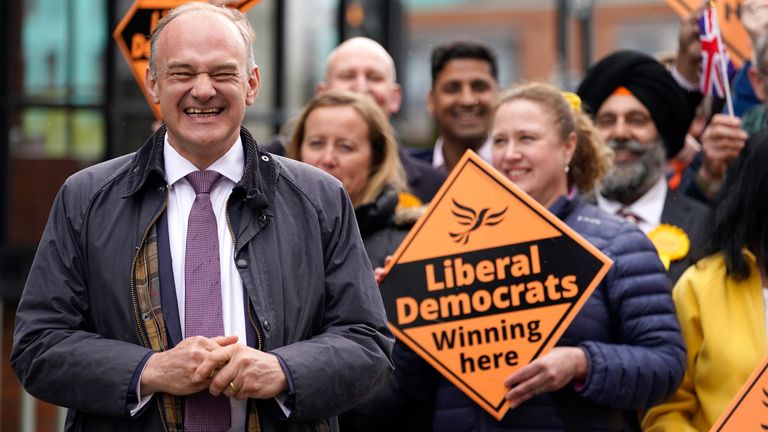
(397,98)
(756,80)
(254,84)
(151,86)
(431,102)
(321,88)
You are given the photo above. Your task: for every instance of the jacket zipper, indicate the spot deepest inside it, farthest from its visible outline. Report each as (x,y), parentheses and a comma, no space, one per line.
(259,343)
(136,313)
(253,323)
(259,346)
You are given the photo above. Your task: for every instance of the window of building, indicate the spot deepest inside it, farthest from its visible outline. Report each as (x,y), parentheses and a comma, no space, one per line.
(57,122)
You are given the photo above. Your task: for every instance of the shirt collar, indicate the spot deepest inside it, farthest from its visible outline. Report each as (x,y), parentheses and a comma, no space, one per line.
(438,161)
(648,207)
(485,151)
(230,165)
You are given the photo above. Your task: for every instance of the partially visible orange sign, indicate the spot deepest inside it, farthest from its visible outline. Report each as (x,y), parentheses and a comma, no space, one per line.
(749,409)
(729,18)
(487,281)
(133,32)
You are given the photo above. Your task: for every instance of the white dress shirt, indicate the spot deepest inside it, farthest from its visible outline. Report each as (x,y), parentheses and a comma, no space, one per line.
(438,160)
(181,195)
(648,207)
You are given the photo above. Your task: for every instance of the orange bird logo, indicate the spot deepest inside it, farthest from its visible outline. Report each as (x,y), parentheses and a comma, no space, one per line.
(468,217)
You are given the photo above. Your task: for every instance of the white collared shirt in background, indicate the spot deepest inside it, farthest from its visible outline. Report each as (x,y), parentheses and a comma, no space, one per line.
(438,160)
(648,207)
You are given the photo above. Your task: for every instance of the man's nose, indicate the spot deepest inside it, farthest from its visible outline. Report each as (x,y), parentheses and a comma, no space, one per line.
(203,87)
(620,130)
(360,84)
(467,96)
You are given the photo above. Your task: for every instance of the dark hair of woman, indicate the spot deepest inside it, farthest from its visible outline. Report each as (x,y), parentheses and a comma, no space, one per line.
(740,213)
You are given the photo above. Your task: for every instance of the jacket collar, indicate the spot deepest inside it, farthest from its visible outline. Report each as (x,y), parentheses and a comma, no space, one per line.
(565,204)
(146,163)
(259,175)
(377,214)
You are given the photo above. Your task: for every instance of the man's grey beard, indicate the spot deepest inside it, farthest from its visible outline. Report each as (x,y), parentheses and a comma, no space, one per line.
(627,182)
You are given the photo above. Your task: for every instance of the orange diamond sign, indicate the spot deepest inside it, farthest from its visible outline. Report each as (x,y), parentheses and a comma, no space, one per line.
(133,32)
(487,281)
(749,409)
(729,17)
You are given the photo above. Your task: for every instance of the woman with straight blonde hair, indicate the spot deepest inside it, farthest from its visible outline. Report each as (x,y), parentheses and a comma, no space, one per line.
(347,135)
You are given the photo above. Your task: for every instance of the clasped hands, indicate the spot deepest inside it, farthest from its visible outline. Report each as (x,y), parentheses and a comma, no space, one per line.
(219,364)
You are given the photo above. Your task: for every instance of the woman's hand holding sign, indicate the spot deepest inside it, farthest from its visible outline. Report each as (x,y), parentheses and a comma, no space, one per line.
(379,272)
(546,374)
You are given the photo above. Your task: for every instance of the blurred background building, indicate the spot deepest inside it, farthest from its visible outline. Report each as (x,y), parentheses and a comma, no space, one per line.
(68,98)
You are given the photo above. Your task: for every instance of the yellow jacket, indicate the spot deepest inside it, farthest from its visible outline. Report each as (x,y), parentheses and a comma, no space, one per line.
(723,323)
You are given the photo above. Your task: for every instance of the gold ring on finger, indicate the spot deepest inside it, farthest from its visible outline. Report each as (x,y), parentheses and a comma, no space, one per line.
(232,386)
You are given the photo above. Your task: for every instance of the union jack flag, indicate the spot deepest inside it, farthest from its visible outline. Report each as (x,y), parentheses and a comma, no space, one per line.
(716,66)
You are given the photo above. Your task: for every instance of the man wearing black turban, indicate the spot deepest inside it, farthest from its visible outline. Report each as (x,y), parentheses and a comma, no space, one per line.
(650,83)
(643,115)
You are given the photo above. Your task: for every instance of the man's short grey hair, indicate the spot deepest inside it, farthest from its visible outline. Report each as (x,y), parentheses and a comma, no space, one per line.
(234,15)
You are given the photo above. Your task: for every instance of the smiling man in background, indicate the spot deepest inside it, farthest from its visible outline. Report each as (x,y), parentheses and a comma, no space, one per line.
(464,84)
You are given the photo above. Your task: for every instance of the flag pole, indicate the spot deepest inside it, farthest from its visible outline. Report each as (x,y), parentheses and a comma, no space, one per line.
(722,59)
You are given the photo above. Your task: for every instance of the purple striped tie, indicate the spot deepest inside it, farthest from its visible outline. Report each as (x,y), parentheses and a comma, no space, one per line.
(202,299)
(629,215)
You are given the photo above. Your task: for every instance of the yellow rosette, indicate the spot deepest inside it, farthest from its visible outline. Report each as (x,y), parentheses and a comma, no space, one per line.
(406,200)
(671,242)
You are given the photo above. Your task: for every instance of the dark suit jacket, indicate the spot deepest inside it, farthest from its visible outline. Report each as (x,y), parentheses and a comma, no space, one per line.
(423,179)
(690,215)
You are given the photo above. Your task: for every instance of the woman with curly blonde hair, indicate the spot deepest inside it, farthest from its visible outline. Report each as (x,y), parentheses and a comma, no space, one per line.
(623,351)
(591,158)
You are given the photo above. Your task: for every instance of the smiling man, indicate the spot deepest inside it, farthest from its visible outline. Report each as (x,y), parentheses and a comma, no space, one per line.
(362,65)
(643,115)
(464,83)
(201,284)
